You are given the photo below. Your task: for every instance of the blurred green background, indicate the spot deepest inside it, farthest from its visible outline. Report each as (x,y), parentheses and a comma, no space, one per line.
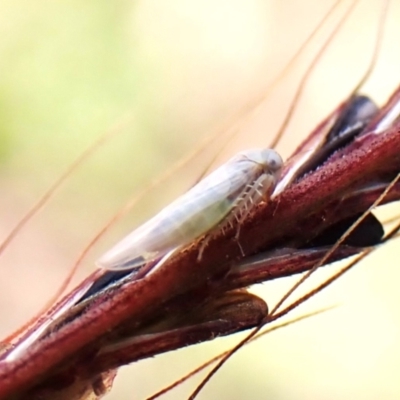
(164,75)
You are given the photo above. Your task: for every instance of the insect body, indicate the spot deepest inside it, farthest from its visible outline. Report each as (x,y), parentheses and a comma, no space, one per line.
(230,191)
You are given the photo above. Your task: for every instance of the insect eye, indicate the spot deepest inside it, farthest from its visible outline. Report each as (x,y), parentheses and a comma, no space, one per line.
(273,160)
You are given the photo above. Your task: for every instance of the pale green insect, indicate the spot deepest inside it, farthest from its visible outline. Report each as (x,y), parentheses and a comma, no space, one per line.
(227,193)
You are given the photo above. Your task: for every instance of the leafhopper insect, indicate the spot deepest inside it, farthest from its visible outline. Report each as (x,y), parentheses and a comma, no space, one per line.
(271,356)
(227,193)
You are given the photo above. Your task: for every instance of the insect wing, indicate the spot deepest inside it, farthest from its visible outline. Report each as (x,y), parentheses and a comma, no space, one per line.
(187,218)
